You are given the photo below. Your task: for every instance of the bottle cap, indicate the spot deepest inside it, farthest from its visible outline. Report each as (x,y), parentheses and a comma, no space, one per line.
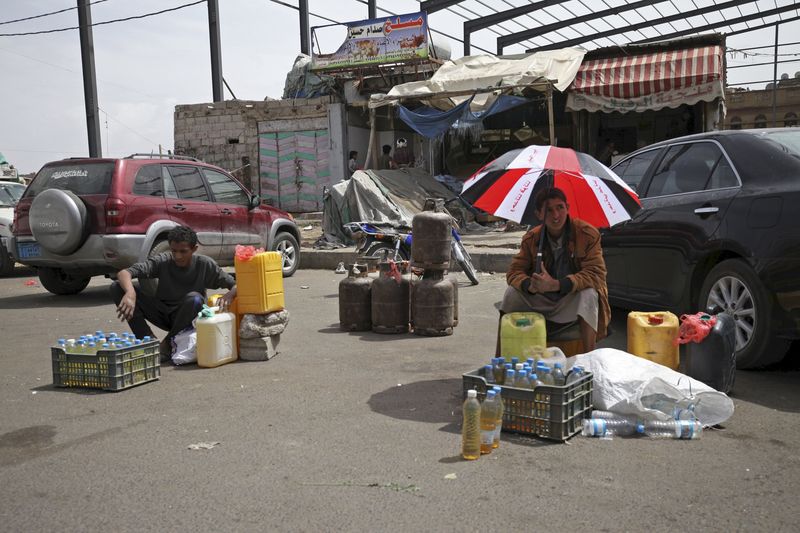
(490,393)
(556,365)
(533,376)
(639,428)
(497,389)
(146,338)
(62,341)
(472,393)
(105,345)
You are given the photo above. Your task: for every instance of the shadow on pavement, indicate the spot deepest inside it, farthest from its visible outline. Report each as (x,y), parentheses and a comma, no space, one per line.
(775,386)
(436,401)
(90,297)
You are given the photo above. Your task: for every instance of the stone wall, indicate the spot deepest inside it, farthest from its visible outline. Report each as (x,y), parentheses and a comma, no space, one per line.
(225,134)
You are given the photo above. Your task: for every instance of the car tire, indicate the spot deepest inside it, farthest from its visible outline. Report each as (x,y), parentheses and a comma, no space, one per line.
(56,281)
(59,221)
(150,286)
(734,287)
(6,262)
(286,244)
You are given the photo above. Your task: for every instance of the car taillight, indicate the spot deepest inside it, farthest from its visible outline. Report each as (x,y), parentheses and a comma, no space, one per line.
(115,212)
(14,221)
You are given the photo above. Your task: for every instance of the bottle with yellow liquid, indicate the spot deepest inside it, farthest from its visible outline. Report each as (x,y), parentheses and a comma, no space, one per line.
(499,412)
(488,421)
(652,335)
(471,427)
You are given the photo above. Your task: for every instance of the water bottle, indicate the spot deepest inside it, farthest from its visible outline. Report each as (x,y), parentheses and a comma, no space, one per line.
(488,373)
(575,374)
(558,375)
(501,406)
(499,369)
(522,380)
(601,427)
(488,421)
(511,378)
(531,361)
(544,374)
(672,429)
(678,409)
(91,348)
(471,427)
(62,343)
(514,361)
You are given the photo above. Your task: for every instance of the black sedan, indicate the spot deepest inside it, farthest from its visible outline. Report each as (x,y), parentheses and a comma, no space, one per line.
(719,225)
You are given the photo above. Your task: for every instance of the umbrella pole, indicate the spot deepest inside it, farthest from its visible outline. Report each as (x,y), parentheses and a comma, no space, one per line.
(550,114)
(537,268)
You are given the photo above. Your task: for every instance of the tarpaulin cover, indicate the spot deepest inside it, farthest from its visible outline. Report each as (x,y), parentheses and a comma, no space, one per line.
(379,196)
(431,122)
(482,71)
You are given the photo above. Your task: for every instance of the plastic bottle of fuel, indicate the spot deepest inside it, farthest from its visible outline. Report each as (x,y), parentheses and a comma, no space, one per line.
(558,375)
(471,427)
(488,374)
(488,421)
(501,406)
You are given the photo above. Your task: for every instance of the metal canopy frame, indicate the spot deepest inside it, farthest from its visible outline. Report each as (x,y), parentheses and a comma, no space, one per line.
(574,16)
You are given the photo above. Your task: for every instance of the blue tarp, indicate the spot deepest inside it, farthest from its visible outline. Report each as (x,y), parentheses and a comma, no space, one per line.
(431,122)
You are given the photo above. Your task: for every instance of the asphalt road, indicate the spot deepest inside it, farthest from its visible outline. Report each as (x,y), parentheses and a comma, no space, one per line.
(353,432)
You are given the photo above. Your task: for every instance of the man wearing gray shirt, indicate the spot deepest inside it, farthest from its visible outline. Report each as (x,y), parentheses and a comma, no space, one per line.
(183,278)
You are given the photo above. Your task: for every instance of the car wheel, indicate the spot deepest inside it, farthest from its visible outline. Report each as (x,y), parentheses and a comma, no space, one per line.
(734,287)
(149,286)
(56,281)
(6,262)
(286,244)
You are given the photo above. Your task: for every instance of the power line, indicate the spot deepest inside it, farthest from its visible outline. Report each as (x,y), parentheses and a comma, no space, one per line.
(48,14)
(145,15)
(310,13)
(127,127)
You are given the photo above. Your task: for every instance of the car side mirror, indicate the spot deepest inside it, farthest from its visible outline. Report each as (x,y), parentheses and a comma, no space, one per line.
(255,201)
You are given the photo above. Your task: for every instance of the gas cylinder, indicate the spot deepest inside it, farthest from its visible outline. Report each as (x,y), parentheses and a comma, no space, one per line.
(713,360)
(432,300)
(454,281)
(390,293)
(355,300)
(430,244)
(652,335)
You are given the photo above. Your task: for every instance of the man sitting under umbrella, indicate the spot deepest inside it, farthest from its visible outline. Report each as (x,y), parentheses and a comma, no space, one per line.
(564,279)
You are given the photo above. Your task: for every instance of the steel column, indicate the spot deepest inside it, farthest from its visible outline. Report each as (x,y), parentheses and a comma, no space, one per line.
(216,54)
(89,78)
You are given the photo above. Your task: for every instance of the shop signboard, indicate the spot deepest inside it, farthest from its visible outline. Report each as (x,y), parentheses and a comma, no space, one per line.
(394,39)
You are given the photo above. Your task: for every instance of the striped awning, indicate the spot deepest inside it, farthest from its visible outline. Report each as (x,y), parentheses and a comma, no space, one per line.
(649,81)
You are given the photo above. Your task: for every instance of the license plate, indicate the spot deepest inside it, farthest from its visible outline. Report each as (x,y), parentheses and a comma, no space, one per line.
(28,250)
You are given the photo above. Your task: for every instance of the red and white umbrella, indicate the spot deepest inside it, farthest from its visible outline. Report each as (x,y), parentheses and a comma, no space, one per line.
(507,186)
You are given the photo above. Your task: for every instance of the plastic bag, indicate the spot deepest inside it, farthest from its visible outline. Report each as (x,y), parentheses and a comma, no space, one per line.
(626,384)
(695,328)
(246,253)
(184,347)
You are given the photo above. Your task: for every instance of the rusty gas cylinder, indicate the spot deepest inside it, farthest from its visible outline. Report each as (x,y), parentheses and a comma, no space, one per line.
(432,300)
(355,300)
(390,299)
(430,243)
(454,281)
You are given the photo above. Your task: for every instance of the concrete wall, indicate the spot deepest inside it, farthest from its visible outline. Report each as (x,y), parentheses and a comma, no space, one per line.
(745,106)
(226,133)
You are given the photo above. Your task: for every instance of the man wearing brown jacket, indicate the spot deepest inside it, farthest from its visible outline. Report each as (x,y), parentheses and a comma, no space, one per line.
(570,283)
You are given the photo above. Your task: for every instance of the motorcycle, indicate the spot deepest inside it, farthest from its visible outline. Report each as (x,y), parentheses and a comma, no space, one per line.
(374,240)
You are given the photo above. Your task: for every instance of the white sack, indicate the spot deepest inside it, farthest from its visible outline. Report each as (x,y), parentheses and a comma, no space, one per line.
(621,380)
(184,347)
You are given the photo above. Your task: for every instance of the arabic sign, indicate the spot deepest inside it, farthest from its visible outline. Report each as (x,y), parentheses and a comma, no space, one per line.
(703,92)
(378,41)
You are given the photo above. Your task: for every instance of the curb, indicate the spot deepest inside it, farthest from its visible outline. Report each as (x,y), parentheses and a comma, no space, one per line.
(483,259)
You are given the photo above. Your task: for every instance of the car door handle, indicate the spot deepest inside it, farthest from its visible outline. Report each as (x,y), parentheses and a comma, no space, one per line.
(226,211)
(179,207)
(706,210)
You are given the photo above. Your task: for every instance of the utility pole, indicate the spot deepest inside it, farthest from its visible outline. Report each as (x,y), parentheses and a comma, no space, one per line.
(89,78)
(372,9)
(775,80)
(305,37)
(216,55)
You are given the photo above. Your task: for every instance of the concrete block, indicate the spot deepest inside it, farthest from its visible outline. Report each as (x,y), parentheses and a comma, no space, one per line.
(254,326)
(259,349)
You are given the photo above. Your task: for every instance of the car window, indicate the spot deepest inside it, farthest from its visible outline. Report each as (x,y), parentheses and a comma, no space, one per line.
(149,181)
(723,176)
(81,179)
(224,189)
(169,185)
(10,193)
(189,183)
(633,170)
(789,139)
(685,168)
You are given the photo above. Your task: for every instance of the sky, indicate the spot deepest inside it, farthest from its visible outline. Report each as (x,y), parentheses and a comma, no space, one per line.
(146,67)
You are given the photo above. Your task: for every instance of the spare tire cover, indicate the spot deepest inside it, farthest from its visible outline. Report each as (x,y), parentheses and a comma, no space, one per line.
(58,221)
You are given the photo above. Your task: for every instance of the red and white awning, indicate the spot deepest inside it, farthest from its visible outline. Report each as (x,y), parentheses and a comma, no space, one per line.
(649,81)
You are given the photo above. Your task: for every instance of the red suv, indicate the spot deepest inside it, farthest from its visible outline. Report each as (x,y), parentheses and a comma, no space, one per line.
(87,217)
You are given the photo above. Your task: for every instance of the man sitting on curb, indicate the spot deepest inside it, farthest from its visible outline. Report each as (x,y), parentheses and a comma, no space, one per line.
(571,282)
(183,278)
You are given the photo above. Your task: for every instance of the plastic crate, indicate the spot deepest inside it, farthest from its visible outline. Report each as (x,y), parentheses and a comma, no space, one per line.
(551,412)
(112,370)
